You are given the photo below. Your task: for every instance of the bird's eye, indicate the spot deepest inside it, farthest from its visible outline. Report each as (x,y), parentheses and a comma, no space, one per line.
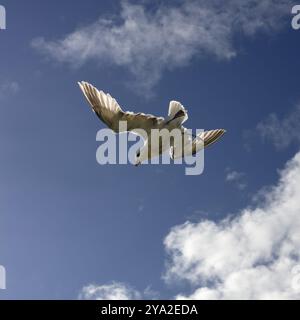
(138,154)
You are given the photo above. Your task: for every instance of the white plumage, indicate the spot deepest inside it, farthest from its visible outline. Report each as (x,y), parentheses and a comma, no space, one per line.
(109,111)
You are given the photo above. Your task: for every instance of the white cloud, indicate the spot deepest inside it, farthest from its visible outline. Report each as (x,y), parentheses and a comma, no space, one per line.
(147,42)
(255,255)
(251,256)
(113,291)
(116,291)
(8,88)
(236,178)
(281,132)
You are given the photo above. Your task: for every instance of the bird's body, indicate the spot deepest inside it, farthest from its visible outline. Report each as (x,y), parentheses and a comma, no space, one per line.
(154,130)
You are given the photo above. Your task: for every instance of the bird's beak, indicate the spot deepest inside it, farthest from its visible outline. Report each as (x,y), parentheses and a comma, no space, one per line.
(137,164)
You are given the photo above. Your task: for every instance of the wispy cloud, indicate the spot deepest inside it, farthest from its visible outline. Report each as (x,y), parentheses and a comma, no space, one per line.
(147,43)
(281,132)
(252,256)
(8,88)
(112,291)
(236,178)
(116,291)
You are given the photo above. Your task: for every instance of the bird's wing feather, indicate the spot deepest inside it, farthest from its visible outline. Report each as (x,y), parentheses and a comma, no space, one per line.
(206,139)
(109,111)
(192,144)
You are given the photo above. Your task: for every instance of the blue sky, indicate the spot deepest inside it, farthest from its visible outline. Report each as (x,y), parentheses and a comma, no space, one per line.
(67,222)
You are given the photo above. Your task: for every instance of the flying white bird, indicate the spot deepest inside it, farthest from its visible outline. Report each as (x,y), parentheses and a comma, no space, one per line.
(109,111)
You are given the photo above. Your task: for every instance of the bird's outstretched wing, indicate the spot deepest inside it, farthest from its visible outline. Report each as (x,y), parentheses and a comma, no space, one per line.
(206,139)
(192,144)
(109,111)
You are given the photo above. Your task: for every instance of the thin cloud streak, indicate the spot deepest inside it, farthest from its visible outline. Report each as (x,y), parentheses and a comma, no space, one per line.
(281,132)
(148,43)
(112,291)
(236,178)
(8,88)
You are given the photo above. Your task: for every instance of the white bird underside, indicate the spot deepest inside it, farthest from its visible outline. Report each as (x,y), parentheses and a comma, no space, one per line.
(109,111)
